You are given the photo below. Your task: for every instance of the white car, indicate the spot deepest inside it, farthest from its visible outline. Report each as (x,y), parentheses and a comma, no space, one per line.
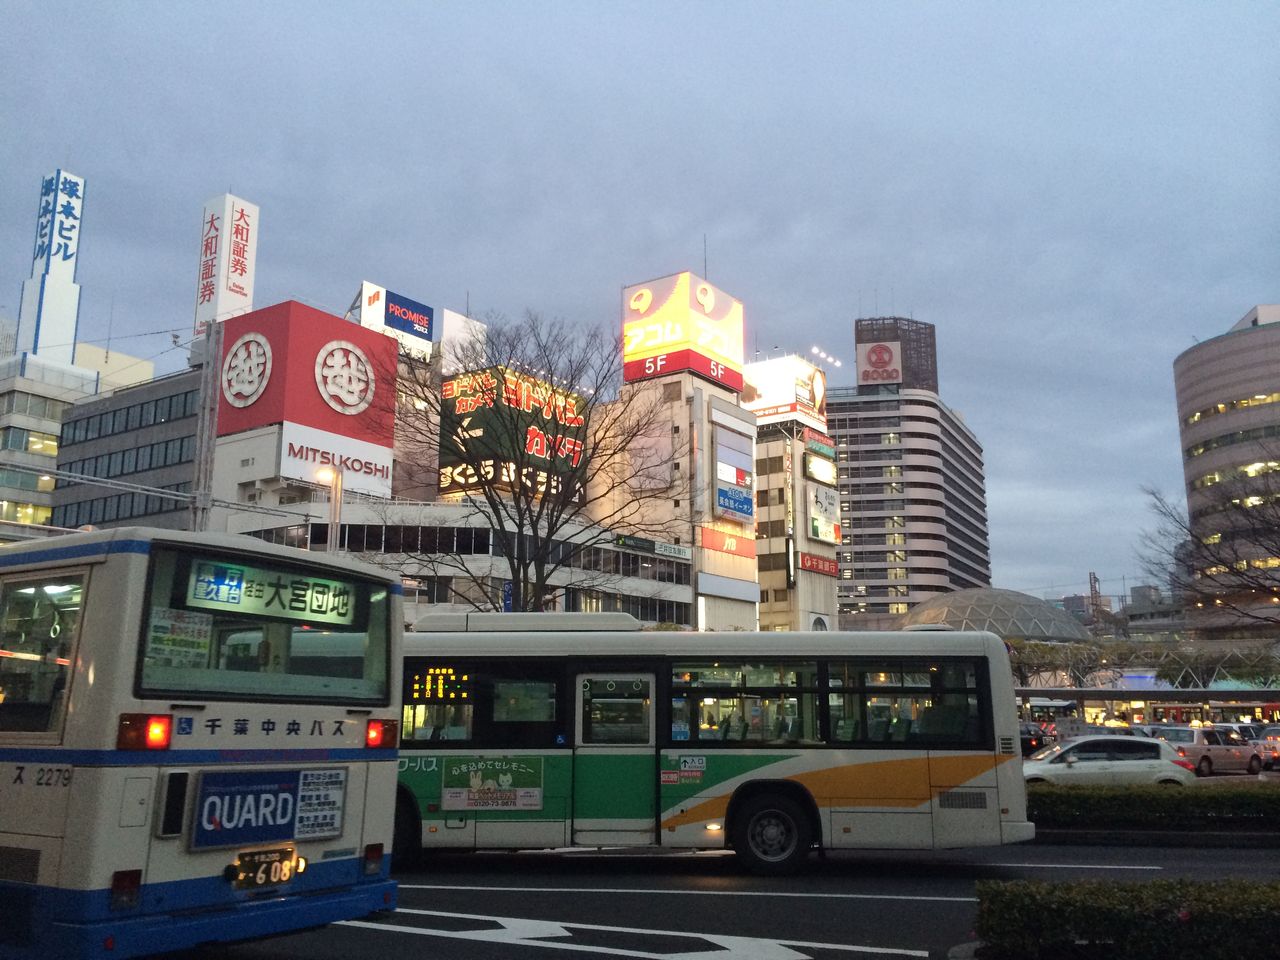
(1107,761)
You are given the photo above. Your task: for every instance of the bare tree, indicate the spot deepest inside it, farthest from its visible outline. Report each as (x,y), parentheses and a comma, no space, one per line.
(1222,554)
(531,427)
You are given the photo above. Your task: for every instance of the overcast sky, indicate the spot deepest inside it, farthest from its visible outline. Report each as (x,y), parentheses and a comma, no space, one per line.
(1071,193)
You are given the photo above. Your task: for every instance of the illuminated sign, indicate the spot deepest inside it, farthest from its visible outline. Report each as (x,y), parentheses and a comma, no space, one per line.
(880,362)
(740,545)
(785,389)
(827,566)
(820,469)
(505,424)
(681,323)
(240,588)
(439,685)
(824,514)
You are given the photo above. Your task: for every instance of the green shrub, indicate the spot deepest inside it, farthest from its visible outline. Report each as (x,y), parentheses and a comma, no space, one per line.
(1154,808)
(1154,920)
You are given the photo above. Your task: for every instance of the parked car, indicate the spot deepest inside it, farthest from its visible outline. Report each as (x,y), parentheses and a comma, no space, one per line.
(1109,761)
(1269,746)
(1213,750)
(1034,737)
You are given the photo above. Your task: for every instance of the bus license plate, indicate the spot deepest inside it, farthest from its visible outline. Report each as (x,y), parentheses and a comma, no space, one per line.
(265,868)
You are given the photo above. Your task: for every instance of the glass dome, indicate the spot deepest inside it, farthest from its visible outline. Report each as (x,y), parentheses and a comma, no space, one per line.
(1006,613)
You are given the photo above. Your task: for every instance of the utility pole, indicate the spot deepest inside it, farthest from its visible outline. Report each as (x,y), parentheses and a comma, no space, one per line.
(207,427)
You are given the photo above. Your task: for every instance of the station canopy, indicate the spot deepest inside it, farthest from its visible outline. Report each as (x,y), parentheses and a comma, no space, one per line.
(1006,613)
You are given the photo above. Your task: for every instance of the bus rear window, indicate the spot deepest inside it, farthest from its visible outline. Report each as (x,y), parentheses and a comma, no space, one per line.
(258,630)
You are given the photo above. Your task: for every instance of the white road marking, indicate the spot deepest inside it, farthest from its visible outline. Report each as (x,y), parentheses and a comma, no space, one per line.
(689,893)
(1070,866)
(530,933)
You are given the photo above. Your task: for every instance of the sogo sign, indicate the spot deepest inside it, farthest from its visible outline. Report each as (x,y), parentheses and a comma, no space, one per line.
(879,362)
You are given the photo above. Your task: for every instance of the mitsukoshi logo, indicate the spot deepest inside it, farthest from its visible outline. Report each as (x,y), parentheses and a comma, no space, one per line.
(344,377)
(246,370)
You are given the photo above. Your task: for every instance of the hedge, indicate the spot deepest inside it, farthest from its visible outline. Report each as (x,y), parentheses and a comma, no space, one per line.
(1224,808)
(1154,920)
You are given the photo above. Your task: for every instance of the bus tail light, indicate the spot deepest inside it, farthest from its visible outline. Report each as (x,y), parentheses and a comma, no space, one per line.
(126,889)
(144,731)
(381,734)
(372,859)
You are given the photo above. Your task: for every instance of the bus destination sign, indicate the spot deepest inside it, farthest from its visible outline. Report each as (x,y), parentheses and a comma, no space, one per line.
(240,588)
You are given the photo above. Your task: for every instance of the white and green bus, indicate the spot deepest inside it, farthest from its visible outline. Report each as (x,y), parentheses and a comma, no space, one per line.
(524,731)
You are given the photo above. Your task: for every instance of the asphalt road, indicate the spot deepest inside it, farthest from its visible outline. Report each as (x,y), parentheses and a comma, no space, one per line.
(563,906)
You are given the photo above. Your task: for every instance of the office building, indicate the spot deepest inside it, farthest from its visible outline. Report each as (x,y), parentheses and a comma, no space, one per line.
(911,480)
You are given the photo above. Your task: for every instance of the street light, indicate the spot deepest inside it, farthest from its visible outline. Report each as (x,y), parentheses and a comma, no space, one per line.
(333,477)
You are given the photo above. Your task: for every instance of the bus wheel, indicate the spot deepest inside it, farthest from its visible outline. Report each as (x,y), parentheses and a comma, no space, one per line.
(406,841)
(772,835)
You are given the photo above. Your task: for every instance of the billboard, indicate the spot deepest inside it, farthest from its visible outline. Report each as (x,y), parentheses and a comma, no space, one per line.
(680,323)
(507,424)
(820,469)
(293,362)
(880,362)
(738,544)
(785,389)
(824,513)
(734,456)
(228,253)
(411,323)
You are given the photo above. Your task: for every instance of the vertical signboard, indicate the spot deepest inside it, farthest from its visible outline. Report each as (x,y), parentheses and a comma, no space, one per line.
(228,254)
(681,323)
(735,463)
(49,313)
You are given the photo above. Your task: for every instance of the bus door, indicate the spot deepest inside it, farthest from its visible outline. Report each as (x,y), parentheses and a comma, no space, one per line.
(615,765)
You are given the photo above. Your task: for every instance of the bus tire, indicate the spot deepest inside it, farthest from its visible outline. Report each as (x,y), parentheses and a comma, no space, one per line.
(772,835)
(406,840)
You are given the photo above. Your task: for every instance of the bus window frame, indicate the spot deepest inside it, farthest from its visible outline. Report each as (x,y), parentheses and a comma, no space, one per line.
(143,692)
(55,730)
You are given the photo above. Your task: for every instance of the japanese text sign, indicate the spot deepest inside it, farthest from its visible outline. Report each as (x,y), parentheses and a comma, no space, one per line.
(682,323)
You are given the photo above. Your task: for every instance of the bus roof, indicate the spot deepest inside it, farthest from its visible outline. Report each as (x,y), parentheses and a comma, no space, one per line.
(638,644)
(91,545)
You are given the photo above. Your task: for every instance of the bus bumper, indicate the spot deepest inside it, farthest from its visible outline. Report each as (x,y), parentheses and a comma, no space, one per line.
(160,933)
(1017,831)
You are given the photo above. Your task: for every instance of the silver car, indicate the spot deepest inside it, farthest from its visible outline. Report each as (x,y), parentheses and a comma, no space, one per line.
(1214,750)
(1102,761)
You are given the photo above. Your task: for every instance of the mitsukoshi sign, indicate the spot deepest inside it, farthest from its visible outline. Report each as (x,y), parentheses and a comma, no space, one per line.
(328,384)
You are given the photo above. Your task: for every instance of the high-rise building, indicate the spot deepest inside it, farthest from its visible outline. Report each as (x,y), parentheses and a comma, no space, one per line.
(1228,396)
(911,480)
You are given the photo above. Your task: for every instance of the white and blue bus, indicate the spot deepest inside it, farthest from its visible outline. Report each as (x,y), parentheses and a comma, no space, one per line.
(197,741)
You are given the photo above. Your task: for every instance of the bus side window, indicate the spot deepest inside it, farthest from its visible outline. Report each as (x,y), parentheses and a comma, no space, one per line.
(38,623)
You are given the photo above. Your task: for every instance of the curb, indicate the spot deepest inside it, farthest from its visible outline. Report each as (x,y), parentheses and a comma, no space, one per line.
(1157,838)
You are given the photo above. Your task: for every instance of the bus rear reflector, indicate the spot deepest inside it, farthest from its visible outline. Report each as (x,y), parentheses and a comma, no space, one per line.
(126,886)
(381,734)
(372,859)
(144,731)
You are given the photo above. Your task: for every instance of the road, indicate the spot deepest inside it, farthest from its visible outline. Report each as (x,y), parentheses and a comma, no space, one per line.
(701,907)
